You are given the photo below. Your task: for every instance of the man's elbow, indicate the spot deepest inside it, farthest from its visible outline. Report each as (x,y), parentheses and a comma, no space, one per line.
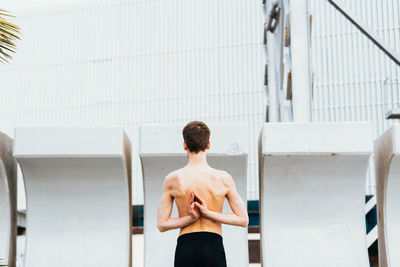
(245,221)
(161,228)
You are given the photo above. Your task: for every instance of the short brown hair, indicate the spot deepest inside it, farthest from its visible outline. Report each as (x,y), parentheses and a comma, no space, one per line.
(196,135)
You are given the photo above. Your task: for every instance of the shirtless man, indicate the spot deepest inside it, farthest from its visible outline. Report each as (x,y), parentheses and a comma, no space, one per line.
(199,192)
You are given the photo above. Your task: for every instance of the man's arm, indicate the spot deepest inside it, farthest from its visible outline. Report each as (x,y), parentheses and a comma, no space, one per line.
(164,220)
(239,216)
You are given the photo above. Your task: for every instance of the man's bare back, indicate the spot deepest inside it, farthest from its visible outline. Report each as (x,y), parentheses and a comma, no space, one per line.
(210,184)
(199,192)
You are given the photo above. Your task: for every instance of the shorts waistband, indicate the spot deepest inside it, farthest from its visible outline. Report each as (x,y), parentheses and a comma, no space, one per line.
(207,236)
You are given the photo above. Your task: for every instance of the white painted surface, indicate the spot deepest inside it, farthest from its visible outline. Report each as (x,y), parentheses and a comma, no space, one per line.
(387,164)
(273,89)
(8,202)
(354,80)
(149,62)
(138,250)
(177,60)
(312,194)
(317,138)
(78,196)
(372,236)
(300,59)
(21,241)
(65,141)
(161,151)
(15,5)
(5,220)
(21,201)
(360,82)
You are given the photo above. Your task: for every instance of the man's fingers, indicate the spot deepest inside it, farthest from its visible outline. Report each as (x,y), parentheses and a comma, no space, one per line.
(199,199)
(191,199)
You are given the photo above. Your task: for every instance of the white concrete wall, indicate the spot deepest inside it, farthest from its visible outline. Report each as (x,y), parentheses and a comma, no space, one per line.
(8,202)
(5,217)
(179,60)
(78,196)
(312,194)
(353,79)
(161,151)
(130,62)
(387,165)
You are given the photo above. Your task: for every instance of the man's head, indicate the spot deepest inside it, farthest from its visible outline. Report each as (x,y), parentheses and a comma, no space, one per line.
(196,135)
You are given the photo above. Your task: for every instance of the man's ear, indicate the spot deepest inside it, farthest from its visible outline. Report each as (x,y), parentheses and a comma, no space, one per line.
(208,145)
(184,145)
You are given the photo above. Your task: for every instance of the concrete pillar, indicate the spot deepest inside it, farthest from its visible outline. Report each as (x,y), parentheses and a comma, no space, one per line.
(77,183)
(161,151)
(312,194)
(273,90)
(8,202)
(387,167)
(300,55)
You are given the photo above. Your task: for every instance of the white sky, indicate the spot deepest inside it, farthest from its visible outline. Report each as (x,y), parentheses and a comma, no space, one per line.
(11,5)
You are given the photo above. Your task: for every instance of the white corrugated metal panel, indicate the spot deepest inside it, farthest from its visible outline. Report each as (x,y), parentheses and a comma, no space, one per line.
(354,80)
(131,62)
(126,63)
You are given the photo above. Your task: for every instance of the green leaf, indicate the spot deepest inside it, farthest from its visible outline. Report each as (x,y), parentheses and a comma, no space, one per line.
(8,34)
(4,47)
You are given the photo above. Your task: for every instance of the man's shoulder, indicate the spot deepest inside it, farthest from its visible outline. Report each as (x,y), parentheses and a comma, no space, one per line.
(173,175)
(173,181)
(225,177)
(222,174)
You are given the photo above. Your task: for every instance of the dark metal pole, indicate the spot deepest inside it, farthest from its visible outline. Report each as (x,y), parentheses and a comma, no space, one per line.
(374,38)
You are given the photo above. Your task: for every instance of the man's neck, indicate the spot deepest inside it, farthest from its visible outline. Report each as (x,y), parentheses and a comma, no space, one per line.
(197,159)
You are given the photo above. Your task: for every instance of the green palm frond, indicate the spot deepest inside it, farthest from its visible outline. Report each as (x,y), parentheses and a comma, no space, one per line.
(8,34)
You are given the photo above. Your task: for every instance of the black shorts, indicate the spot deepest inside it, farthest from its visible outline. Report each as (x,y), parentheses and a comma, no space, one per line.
(200,249)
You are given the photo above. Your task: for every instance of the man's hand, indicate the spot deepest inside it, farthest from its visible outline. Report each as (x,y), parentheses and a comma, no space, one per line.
(192,209)
(164,220)
(238,216)
(201,205)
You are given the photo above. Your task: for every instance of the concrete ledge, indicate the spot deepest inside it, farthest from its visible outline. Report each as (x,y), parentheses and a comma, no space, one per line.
(317,138)
(387,166)
(312,190)
(77,183)
(8,202)
(93,142)
(161,151)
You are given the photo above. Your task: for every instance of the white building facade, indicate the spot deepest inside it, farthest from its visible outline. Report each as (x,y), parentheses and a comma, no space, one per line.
(132,62)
